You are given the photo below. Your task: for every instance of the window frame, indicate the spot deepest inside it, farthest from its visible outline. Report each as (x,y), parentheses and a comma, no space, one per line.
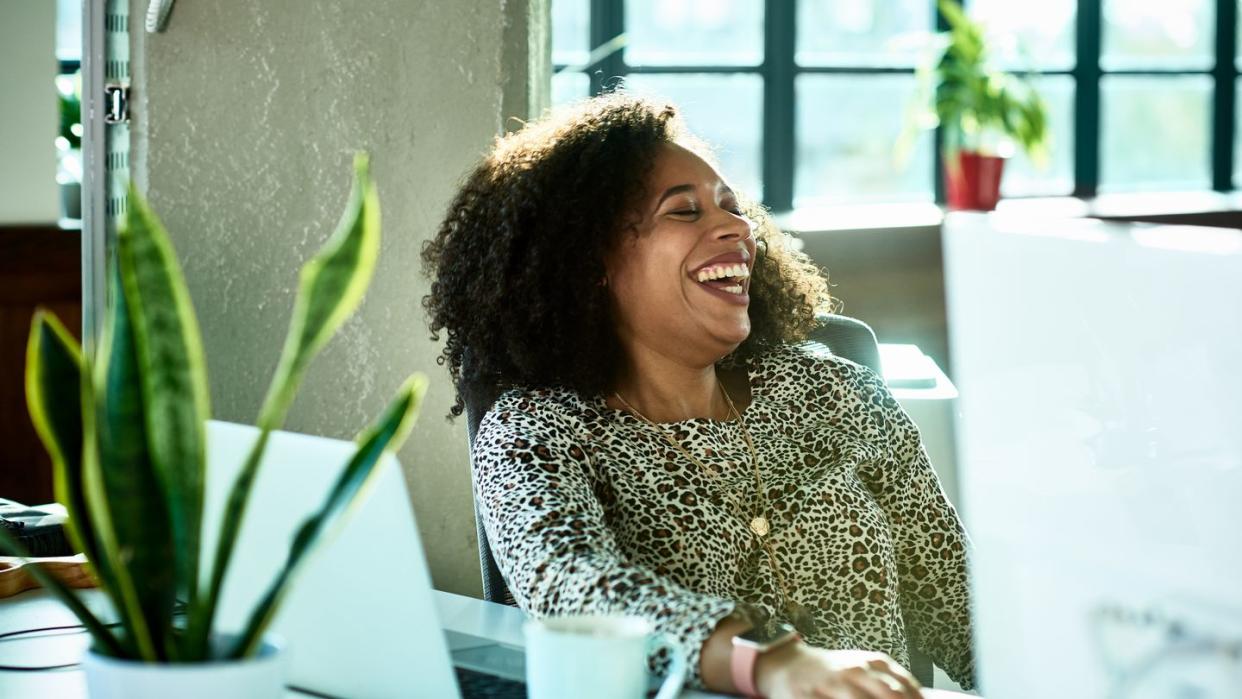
(779,71)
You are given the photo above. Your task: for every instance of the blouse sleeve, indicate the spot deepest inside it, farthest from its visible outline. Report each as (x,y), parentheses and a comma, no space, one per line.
(932,545)
(548,533)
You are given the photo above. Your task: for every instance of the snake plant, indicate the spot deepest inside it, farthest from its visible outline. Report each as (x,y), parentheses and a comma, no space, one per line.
(126,434)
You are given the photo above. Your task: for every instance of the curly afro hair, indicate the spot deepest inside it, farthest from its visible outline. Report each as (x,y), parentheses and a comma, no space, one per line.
(516,265)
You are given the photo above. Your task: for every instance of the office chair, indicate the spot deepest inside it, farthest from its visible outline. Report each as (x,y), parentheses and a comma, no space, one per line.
(843,336)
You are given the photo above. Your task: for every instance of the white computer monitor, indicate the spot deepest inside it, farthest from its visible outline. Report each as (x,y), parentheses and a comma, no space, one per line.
(1100,444)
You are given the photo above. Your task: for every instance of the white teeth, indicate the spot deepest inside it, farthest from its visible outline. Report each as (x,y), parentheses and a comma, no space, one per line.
(733,289)
(720,271)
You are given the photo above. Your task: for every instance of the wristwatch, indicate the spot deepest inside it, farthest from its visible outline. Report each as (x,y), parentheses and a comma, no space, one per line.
(749,645)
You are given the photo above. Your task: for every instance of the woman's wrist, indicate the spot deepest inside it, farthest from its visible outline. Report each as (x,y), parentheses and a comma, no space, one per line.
(771,664)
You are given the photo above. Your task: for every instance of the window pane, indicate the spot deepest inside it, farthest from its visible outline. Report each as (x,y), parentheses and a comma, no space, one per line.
(1034,35)
(569,86)
(1155,132)
(1158,33)
(1237,139)
(694,32)
(1237,32)
(571,32)
(863,32)
(69,30)
(724,110)
(846,130)
(1022,177)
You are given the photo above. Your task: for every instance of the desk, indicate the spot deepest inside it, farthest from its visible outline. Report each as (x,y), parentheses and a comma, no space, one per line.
(37,608)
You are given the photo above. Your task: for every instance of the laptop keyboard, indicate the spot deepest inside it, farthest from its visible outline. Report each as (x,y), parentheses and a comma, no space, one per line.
(479,685)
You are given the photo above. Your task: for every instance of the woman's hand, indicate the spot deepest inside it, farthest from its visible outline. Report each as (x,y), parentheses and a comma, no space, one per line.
(799,671)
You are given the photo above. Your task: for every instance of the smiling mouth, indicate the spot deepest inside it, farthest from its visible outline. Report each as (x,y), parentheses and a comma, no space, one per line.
(729,278)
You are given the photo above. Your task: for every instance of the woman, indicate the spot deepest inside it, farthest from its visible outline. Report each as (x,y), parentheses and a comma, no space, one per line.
(663,448)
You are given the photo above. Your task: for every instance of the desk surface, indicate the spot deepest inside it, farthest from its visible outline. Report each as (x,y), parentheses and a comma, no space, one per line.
(38,609)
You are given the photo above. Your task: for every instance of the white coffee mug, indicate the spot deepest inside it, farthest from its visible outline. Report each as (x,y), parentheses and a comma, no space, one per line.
(603,657)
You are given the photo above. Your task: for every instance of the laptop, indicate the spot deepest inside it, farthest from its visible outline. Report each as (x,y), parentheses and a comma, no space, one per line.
(1100,445)
(361,619)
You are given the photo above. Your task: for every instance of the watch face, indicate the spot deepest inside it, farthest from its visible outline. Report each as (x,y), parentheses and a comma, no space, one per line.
(766,635)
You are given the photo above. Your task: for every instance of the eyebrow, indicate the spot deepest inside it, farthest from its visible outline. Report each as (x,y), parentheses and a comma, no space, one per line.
(674,191)
(725,190)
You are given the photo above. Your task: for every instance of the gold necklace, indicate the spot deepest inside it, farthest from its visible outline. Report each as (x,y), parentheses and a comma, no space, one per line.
(759,524)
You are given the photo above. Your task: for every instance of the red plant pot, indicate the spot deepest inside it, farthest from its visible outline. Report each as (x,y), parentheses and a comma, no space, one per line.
(973,180)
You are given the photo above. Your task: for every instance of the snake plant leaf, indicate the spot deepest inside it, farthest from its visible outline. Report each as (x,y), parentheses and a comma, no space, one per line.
(57,388)
(53,397)
(386,435)
(173,376)
(133,492)
(119,583)
(331,287)
(99,631)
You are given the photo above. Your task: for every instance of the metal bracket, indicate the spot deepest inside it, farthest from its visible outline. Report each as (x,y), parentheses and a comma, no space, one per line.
(116,103)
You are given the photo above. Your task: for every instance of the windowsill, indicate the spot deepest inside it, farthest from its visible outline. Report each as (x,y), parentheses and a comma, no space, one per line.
(906,215)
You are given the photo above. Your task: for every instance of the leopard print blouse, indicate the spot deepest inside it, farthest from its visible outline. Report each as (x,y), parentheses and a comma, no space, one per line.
(590,510)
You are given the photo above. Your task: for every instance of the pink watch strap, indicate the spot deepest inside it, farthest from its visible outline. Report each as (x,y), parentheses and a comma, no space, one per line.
(742,667)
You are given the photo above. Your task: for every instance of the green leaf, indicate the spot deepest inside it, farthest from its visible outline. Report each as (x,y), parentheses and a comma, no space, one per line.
(133,492)
(56,385)
(331,287)
(386,435)
(53,397)
(174,378)
(120,584)
(106,640)
(971,95)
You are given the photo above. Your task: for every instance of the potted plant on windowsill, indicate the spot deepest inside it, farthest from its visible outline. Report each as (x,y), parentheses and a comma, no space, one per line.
(984,112)
(126,433)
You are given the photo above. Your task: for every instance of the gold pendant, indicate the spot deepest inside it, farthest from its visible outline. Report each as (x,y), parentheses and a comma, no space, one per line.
(759,526)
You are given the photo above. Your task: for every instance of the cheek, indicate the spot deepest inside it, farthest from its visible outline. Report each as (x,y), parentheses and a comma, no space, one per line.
(646,273)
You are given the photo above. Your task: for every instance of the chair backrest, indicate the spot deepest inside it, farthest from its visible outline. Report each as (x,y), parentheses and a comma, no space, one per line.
(844,336)
(849,338)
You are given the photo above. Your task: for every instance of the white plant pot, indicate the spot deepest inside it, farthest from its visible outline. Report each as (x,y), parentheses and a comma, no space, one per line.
(260,677)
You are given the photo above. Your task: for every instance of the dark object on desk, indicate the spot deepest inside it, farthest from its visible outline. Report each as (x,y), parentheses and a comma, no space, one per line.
(479,685)
(40,529)
(843,336)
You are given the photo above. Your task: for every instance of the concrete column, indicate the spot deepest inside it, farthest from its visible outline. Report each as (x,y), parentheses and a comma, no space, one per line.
(246,116)
(29,117)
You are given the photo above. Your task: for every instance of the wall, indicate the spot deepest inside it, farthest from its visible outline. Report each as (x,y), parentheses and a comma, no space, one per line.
(29,117)
(246,120)
(40,267)
(892,278)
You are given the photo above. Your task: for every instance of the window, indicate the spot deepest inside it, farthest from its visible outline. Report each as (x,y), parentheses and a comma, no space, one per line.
(69,95)
(805,99)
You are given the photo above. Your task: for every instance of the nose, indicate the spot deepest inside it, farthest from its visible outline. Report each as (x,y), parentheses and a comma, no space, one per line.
(730,226)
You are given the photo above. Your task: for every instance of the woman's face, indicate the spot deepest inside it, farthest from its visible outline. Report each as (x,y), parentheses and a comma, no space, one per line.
(680,285)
